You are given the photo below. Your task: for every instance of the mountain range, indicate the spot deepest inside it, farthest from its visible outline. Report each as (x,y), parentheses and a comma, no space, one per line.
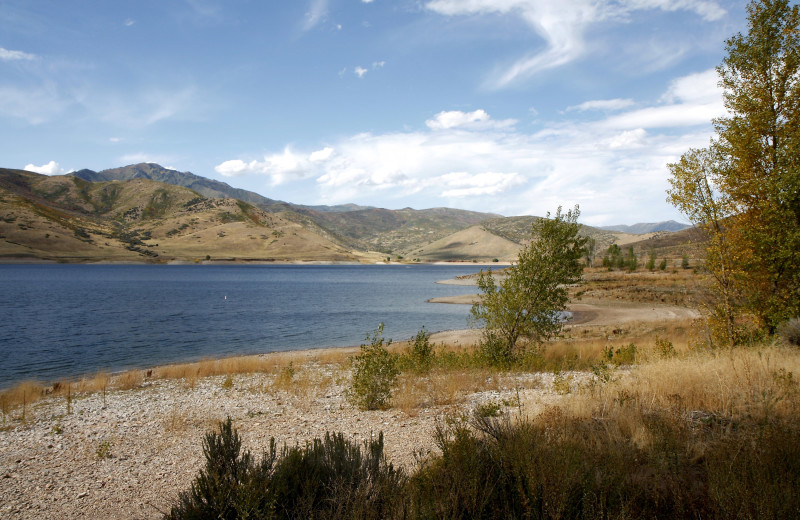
(147,212)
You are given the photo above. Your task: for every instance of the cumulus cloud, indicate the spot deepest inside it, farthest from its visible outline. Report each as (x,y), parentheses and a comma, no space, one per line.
(561,25)
(321,155)
(9,55)
(280,167)
(467,159)
(51,168)
(129,22)
(477,119)
(360,71)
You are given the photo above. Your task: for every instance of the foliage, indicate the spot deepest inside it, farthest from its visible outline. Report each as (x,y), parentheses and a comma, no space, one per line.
(421,352)
(326,478)
(374,373)
(613,257)
(103,450)
(526,301)
(631,262)
(651,260)
(743,190)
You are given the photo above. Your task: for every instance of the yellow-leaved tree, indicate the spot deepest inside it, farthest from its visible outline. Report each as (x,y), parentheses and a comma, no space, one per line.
(743,190)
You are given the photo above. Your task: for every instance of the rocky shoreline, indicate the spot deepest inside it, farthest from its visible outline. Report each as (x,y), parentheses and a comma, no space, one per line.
(128,455)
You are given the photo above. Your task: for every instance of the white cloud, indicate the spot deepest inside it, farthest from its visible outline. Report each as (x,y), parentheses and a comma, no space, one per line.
(561,25)
(9,55)
(51,168)
(280,167)
(690,100)
(627,139)
(129,22)
(602,104)
(360,71)
(477,119)
(707,10)
(316,13)
(466,159)
(321,155)
(463,184)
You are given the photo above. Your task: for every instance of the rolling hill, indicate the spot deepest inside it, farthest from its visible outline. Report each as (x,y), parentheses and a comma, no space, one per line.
(146,212)
(66,218)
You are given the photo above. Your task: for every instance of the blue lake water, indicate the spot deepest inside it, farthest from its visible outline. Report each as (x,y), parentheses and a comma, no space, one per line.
(67,320)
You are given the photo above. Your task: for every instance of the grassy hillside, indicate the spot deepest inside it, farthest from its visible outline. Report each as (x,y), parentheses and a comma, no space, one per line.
(396,231)
(149,213)
(66,218)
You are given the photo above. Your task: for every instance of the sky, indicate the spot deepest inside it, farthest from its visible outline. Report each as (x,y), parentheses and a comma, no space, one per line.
(513,107)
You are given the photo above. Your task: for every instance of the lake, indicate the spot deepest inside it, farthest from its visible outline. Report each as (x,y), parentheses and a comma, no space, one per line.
(62,321)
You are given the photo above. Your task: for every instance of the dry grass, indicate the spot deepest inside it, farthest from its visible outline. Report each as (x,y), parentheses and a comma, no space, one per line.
(448,386)
(674,287)
(696,389)
(21,395)
(128,380)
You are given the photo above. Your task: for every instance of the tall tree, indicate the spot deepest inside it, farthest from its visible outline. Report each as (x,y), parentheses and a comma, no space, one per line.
(526,301)
(744,189)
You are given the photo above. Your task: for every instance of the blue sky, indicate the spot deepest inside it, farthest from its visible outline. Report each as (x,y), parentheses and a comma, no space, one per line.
(505,106)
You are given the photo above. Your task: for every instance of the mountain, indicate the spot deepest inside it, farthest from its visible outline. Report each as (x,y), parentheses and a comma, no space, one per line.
(66,218)
(154,172)
(642,228)
(348,225)
(396,231)
(145,211)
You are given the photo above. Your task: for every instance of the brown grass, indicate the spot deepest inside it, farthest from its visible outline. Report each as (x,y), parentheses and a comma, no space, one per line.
(21,395)
(699,388)
(128,380)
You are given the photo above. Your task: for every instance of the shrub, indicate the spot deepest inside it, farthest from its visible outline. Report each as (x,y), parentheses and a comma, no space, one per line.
(326,478)
(374,373)
(421,353)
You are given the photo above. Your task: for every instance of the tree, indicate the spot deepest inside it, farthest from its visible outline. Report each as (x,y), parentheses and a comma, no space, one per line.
(374,373)
(631,262)
(525,301)
(744,189)
(651,260)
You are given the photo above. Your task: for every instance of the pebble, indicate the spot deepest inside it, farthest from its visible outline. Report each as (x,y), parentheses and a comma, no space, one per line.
(155,437)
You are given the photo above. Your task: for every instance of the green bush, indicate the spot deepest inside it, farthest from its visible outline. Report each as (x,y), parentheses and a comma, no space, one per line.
(328,478)
(420,355)
(374,373)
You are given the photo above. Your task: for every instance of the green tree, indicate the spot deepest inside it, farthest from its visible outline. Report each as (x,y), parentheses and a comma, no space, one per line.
(374,373)
(613,257)
(744,189)
(631,262)
(526,299)
(651,260)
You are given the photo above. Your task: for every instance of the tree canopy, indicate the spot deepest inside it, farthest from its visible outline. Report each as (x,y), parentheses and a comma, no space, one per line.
(526,299)
(743,190)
